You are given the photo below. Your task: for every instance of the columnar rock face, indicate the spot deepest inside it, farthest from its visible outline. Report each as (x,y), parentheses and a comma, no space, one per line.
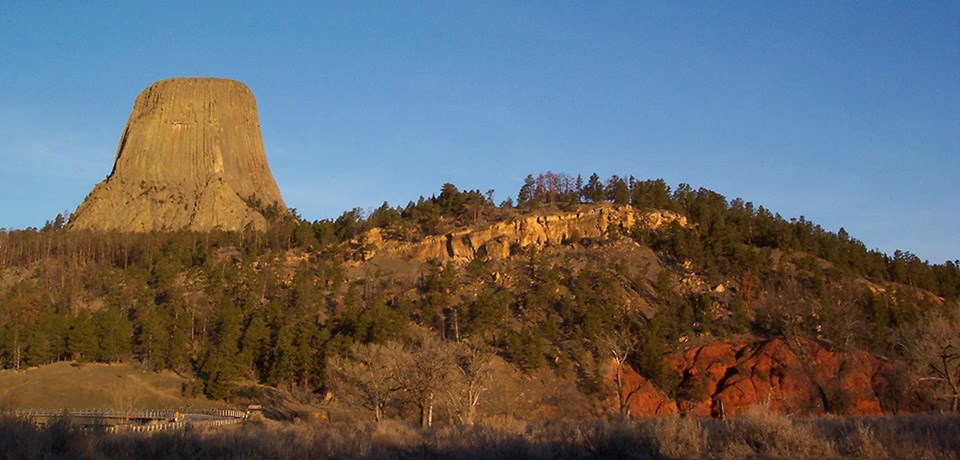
(191,157)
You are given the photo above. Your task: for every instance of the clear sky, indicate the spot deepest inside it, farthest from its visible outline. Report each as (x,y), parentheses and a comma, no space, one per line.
(847,113)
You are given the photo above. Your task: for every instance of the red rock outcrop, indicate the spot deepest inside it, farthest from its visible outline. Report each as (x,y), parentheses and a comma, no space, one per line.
(644,397)
(191,157)
(795,376)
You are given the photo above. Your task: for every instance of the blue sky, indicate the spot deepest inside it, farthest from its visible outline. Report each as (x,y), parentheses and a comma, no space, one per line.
(847,113)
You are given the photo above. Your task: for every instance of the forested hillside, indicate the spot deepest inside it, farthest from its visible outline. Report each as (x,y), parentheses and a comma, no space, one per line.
(303,304)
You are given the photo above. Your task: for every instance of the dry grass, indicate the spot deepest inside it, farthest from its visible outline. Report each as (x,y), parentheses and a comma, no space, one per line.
(678,437)
(95,385)
(762,433)
(757,434)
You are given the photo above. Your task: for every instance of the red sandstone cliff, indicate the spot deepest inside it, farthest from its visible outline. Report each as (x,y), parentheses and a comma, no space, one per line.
(790,376)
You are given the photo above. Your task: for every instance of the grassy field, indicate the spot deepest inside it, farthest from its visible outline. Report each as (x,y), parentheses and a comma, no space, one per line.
(756,434)
(97,386)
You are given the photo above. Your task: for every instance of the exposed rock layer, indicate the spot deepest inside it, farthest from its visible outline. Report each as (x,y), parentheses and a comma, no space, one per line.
(497,240)
(789,376)
(190,157)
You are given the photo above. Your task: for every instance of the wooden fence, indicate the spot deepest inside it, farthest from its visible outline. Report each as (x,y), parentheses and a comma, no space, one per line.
(145,420)
(95,413)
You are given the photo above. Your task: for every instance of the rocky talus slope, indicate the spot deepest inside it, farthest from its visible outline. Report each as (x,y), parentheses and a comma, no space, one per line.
(191,157)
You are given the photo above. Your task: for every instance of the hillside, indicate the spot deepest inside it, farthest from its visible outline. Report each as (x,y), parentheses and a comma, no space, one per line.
(698,303)
(98,385)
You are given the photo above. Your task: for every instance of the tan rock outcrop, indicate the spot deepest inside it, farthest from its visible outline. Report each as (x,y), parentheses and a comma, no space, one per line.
(191,157)
(523,232)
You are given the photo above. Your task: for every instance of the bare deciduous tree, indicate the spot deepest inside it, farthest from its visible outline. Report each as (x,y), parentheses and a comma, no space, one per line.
(933,349)
(425,370)
(368,377)
(126,399)
(474,364)
(620,344)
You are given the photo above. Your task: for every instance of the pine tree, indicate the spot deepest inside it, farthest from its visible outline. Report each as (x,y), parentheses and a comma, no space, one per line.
(46,341)
(525,198)
(283,356)
(254,345)
(593,192)
(617,191)
(222,364)
(82,338)
(149,336)
(114,334)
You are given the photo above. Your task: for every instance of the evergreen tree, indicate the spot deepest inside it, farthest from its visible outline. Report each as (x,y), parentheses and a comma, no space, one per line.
(617,191)
(525,198)
(488,312)
(222,364)
(254,346)
(593,192)
(47,341)
(82,338)
(114,334)
(283,359)
(149,336)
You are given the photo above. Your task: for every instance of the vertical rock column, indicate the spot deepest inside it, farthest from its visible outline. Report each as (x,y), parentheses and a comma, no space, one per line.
(191,157)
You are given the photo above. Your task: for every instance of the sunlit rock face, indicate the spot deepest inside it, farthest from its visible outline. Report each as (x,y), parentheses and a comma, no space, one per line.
(524,232)
(190,157)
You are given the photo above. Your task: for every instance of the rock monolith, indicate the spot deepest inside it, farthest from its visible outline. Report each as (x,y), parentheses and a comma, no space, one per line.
(190,158)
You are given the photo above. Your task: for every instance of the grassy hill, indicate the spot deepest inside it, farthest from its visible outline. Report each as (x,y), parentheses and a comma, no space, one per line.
(98,385)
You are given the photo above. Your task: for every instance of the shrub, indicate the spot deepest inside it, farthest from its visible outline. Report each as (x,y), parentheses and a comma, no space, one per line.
(680,437)
(758,433)
(777,436)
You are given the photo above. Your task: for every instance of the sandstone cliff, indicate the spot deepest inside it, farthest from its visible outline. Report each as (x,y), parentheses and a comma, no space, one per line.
(190,157)
(523,232)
